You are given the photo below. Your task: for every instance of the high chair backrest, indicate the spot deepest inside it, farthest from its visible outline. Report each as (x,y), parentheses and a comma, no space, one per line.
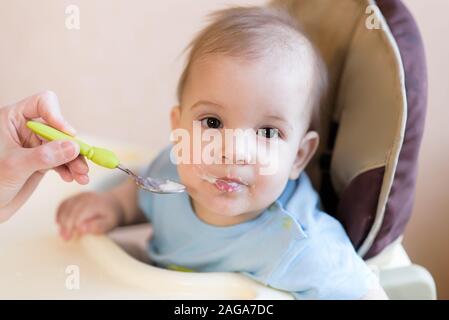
(372,123)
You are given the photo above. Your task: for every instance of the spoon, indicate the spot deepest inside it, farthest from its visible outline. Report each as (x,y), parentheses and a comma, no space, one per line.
(154,184)
(107,159)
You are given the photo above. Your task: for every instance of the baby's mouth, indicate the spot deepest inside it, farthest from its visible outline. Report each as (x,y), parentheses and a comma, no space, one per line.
(225,184)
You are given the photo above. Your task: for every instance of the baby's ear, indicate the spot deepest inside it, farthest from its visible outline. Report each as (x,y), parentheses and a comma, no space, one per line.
(306,150)
(175,115)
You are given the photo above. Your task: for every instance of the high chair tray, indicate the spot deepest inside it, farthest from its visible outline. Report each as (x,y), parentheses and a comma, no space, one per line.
(37,264)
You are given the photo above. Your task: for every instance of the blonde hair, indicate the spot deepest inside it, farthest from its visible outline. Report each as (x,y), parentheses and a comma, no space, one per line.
(251,33)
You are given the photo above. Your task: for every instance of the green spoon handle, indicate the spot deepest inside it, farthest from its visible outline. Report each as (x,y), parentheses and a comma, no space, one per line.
(100,156)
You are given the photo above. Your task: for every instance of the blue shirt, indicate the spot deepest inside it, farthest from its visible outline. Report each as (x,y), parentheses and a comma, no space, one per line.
(292,245)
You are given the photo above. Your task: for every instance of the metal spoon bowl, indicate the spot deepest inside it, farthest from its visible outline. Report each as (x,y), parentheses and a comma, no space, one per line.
(163,186)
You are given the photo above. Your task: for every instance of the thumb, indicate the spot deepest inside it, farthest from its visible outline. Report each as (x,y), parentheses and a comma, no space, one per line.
(46,156)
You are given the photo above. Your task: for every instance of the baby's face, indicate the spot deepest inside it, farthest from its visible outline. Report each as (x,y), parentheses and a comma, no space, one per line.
(266,96)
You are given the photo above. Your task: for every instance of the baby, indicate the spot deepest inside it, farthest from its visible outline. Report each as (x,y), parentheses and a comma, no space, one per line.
(250,69)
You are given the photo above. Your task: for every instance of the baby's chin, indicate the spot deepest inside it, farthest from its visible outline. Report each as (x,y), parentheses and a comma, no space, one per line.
(221,203)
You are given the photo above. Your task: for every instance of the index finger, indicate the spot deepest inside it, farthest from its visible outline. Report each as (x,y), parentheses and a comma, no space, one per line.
(45,105)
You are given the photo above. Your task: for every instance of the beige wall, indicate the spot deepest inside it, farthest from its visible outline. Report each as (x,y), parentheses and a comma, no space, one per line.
(427,235)
(116,78)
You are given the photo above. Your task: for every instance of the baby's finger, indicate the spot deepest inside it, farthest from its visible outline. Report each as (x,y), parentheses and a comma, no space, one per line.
(62,211)
(96,226)
(62,217)
(69,226)
(85,217)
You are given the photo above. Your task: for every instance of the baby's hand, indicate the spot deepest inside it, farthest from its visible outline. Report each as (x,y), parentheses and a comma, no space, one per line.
(88,212)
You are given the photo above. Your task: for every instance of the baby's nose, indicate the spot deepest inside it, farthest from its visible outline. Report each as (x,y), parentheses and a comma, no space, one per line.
(242,150)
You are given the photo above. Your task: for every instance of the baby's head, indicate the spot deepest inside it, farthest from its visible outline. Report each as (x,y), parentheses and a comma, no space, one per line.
(251,69)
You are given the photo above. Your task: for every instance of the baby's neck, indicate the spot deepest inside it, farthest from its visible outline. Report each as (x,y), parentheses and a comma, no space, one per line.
(212,218)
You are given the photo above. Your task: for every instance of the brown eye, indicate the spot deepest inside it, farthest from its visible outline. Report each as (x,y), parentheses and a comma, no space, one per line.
(268,133)
(211,123)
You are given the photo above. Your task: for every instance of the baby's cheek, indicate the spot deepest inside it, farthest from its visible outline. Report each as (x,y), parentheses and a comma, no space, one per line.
(189,176)
(273,159)
(269,188)
(185,175)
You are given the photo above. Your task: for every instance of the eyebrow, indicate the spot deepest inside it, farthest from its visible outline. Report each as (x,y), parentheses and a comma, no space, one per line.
(204,102)
(281,119)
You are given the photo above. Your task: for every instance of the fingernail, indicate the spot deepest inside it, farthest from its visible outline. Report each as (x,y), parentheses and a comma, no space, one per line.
(84,179)
(69,149)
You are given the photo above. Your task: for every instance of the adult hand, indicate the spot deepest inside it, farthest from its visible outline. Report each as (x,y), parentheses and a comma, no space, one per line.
(25,157)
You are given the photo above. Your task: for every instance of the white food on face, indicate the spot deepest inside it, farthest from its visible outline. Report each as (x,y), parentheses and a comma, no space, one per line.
(208,178)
